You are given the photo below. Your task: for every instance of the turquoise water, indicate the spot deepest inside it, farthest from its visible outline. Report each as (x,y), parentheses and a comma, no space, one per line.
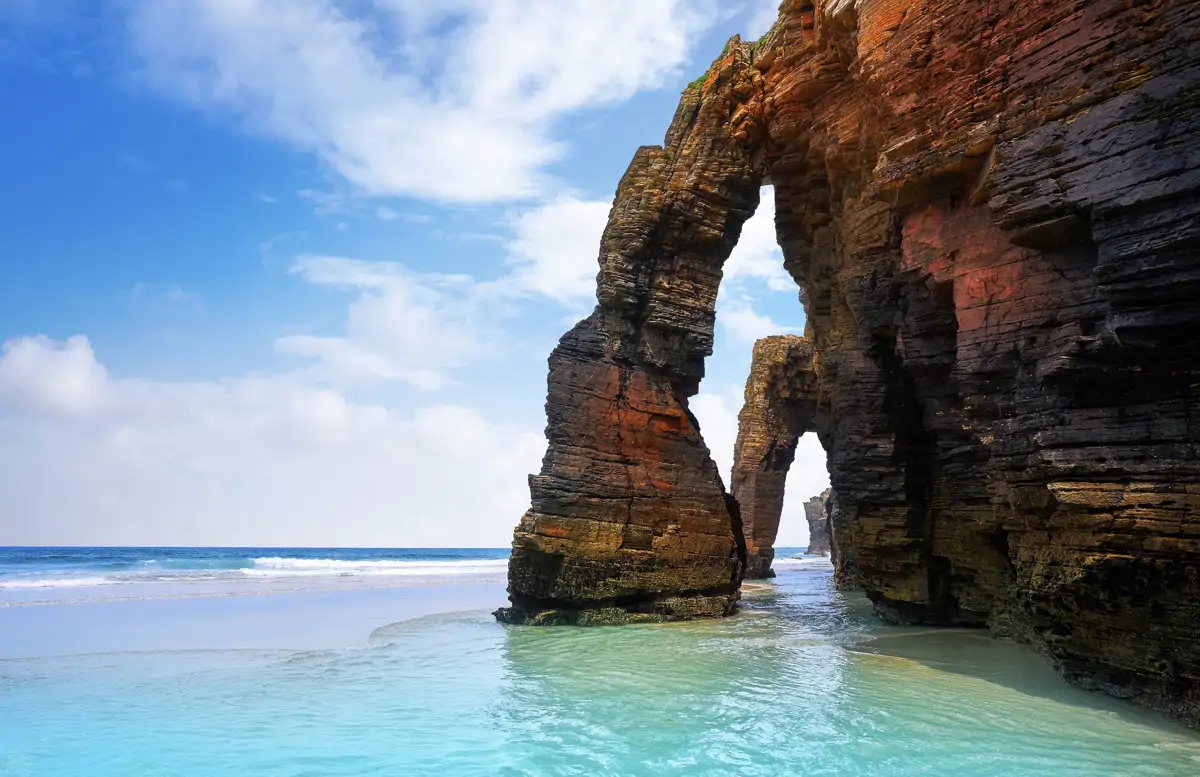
(805,682)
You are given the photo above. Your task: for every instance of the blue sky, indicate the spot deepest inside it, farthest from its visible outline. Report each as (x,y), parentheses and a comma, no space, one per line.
(287,271)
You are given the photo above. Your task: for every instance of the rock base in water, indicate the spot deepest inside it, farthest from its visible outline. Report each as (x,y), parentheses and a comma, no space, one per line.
(660,610)
(815,512)
(779,407)
(993,213)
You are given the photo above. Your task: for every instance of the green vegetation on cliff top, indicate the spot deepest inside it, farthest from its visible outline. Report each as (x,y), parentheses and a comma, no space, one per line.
(696,84)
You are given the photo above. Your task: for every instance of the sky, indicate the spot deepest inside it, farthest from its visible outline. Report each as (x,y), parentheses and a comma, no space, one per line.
(287,272)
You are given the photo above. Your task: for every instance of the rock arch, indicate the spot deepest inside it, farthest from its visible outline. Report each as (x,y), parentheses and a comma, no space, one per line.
(780,406)
(993,210)
(629,516)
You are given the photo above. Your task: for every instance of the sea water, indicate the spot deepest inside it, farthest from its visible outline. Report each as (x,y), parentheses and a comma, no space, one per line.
(805,681)
(42,575)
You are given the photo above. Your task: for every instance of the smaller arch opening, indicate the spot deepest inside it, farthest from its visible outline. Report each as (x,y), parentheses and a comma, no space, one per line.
(759,428)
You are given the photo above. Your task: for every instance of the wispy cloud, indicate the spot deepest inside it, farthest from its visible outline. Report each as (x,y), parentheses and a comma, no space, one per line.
(402,326)
(554,248)
(452,101)
(159,298)
(744,324)
(330,202)
(757,255)
(761,14)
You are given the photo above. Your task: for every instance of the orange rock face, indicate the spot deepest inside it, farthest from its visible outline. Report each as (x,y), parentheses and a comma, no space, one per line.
(992,209)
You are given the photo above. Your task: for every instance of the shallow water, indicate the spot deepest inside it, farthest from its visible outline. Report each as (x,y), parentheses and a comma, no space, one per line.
(805,682)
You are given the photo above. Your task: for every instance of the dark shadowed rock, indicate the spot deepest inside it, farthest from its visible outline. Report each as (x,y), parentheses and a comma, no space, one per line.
(993,211)
(818,524)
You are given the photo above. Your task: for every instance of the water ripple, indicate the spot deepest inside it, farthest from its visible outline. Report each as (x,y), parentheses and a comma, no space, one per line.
(804,682)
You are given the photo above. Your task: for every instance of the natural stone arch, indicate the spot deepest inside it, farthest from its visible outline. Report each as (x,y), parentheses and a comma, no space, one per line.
(629,516)
(780,407)
(991,210)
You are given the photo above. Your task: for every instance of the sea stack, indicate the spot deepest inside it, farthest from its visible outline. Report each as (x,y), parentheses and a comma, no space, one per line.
(818,524)
(992,214)
(780,402)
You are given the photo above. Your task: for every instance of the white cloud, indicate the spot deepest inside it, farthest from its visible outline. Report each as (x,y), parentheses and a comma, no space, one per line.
(808,476)
(757,255)
(717,415)
(90,459)
(403,326)
(328,201)
(755,263)
(452,100)
(40,375)
(555,248)
(745,325)
(386,214)
(763,14)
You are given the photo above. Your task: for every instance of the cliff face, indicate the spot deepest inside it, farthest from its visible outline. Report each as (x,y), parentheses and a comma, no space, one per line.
(818,524)
(780,402)
(993,212)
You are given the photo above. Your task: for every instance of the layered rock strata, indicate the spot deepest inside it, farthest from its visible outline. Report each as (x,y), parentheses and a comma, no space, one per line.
(780,402)
(993,211)
(818,524)
(629,516)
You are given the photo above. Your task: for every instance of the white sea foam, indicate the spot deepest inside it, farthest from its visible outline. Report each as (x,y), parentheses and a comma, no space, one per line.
(802,561)
(276,566)
(55,582)
(266,568)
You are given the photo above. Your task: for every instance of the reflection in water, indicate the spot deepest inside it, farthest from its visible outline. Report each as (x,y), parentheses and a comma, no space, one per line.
(809,682)
(805,682)
(654,697)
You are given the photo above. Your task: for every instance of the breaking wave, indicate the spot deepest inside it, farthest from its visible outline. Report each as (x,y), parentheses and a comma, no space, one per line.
(232,568)
(284,566)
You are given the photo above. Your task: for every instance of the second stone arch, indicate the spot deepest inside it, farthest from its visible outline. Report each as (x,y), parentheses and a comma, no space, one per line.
(780,407)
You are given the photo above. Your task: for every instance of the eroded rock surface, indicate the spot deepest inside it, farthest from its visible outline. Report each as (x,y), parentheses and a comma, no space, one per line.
(818,524)
(993,211)
(630,518)
(780,403)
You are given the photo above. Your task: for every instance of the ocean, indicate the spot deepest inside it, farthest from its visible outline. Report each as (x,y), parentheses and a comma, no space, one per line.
(154,572)
(196,662)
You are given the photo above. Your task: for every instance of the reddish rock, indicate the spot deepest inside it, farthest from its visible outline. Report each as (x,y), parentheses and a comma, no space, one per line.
(993,211)
(630,518)
(780,403)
